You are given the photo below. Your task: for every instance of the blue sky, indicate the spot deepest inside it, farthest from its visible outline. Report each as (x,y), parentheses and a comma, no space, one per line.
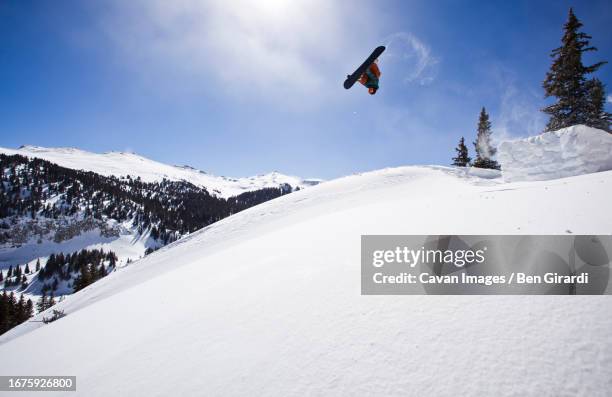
(246,87)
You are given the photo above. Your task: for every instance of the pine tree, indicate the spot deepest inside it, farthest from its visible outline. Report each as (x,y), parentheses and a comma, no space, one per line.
(29,308)
(21,310)
(12,306)
(597,117)
(37,264)
(51,301)
(484,150)
(84,279)
(566,79)
(101,273)
(5,321)
(463,159)
(27,269)
(1,277)
(41,306)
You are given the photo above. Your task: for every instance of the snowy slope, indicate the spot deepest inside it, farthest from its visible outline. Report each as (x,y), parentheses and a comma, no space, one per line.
(267,302)
(567,152)
(123,164)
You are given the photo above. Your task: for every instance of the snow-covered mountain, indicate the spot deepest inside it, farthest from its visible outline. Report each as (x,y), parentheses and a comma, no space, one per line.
(267,301)
(124,163)
(52,217)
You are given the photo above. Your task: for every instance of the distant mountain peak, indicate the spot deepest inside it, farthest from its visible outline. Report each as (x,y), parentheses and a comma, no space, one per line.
(124,163)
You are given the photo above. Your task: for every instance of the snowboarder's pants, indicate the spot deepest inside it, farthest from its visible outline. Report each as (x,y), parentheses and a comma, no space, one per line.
(372,80)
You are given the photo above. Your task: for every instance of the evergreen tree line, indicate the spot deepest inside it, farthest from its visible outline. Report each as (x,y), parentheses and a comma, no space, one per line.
(82,267)
(249,199)
(14,312)
(85,267)
(15,276)
(580,99)
(170,209)
(45,302)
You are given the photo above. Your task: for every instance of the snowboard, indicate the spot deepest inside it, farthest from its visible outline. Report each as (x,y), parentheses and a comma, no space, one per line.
(352,78)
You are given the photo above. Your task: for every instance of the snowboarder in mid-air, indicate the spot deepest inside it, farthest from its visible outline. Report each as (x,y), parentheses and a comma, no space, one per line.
(368,73)
(370,78)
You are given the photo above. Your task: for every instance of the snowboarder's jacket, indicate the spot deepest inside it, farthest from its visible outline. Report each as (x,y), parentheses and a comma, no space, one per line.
(371,76)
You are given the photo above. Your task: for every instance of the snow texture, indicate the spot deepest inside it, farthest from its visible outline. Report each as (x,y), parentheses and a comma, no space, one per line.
(567,152)
(267,302)
(123,164)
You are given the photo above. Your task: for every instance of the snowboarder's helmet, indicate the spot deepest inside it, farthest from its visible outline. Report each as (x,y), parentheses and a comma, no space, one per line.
(372,90)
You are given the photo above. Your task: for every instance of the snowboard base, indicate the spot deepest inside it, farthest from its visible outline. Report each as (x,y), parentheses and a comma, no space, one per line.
(352,78)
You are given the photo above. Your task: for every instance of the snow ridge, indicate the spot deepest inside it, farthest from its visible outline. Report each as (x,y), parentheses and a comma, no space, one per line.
(125,163)
(567,152)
